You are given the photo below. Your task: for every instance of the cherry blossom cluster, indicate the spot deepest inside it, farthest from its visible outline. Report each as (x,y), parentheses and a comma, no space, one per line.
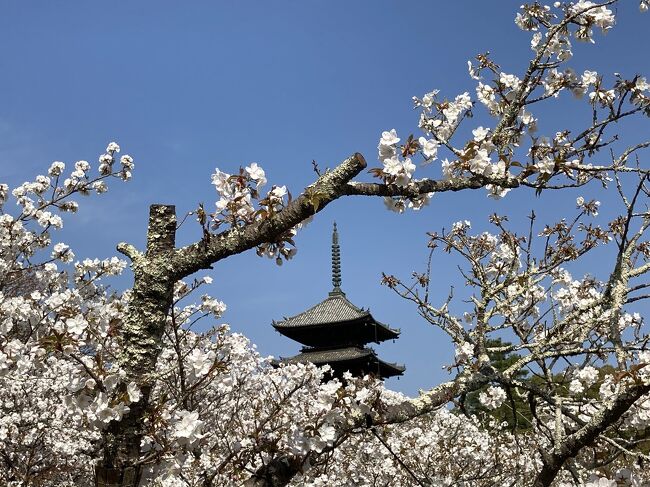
(398,167)
(496,154)
(241,203)
(443,449)
(57,331)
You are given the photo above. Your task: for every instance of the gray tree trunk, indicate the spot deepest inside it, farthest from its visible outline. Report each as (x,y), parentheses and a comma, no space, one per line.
(141,342)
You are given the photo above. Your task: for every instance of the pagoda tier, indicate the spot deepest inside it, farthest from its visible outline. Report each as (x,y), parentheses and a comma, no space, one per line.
(335,332)
(335,321)
(356,360)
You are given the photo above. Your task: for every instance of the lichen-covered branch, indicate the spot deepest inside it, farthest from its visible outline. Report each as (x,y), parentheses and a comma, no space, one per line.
(421,187)
(235,240)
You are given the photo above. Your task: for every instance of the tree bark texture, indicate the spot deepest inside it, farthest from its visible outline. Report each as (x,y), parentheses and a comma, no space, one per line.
(141,342)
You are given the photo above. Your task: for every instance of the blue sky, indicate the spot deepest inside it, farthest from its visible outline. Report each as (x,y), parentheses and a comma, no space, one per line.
(185,87)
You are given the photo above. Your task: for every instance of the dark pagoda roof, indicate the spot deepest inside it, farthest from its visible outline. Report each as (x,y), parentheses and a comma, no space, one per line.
(336,308)
(335,331)
(335,318)
(320,356)
(349,358)
(333,309)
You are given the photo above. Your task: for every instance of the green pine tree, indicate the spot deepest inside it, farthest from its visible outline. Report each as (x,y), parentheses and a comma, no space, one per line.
(514,411)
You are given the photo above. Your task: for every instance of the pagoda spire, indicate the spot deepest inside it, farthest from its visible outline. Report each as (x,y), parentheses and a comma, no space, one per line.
(336,262)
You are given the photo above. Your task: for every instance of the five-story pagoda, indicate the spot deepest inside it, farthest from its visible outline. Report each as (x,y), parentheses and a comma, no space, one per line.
(336,332)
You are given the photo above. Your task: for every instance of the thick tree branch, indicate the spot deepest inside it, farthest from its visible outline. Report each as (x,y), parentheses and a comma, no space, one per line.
(435,398)
(211,249)
(424,186)
(585,436)
(129,250)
